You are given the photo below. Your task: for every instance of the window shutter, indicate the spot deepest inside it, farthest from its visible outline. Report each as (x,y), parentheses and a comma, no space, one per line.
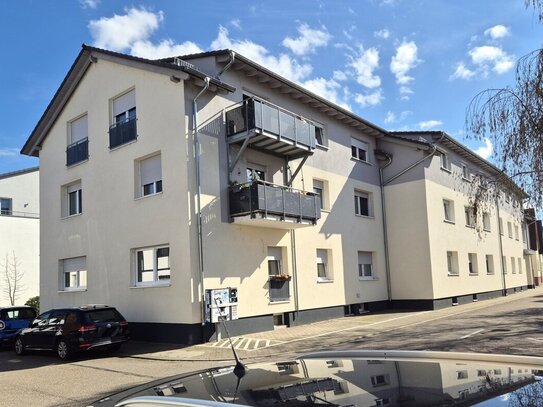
(274,253)
(364,258)
(75,264)
(124,103)
(73,187)
(322,256)
(151,170)
(79,129)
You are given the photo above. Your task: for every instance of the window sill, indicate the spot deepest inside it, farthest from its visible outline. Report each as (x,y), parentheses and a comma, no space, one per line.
(446,169)
(123,145)
(279,302)
(77,163)
(466,179)
(74,290)
(486,230)
(364,216)
(326,210)
(490,274)
(361,161)
(151,286)
(470,226)
(473,274)
(453,275)
(324,280)
(450,222)
(71,216)
(148,196)
(368,279)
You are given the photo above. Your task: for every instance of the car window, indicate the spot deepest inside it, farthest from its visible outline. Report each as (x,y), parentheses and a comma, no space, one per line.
(104,315)
(42,319)
(26,313)
(57,317)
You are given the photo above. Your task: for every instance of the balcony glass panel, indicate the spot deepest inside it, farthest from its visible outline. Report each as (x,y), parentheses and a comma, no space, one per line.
(279,290)
(265,198)
(122,132)
(77,152)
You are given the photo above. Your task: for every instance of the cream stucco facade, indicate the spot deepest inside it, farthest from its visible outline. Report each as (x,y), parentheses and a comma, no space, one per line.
(19,233)
(148,225)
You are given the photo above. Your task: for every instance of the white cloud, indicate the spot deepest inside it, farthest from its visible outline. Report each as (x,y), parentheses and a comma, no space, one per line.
(166,48)
(430,124)
(498,31)
(328,89)
(370,99)
(89,3)
(308,41)
(486,150)
(9,152)
(404,60)
(490,57)
(340,76)
(391,117)
(120,32)
(384,34)
(236,23)
(364,66)
(462,72)
(283,64)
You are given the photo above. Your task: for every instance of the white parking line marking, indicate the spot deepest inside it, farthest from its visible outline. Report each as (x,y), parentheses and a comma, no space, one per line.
(257,342)
(267,343)
(238,345)
(247,344)
(471,334)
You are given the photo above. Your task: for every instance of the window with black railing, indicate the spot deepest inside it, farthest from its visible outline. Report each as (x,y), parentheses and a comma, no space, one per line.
(77,152)
(122,132)
(279,289)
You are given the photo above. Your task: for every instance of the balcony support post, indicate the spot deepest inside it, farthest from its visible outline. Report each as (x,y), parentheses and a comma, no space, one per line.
(240,153)
(289,181)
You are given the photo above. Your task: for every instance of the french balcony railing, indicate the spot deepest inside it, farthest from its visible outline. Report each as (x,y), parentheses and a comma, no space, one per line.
(279,289)
(77,152)
(265,117)
(122,132)
(265,199)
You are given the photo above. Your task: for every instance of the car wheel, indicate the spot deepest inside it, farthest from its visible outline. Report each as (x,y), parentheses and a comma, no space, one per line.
(19,347)
(63,350)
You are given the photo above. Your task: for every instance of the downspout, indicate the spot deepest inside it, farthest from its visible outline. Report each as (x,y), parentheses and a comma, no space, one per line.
(228,65)
(388,157)
(198,198)
(292,234)
(501,247)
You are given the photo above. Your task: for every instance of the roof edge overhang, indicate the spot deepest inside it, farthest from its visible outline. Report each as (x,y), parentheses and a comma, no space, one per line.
(18,172)
(86,57)
(446,140)
(297,91)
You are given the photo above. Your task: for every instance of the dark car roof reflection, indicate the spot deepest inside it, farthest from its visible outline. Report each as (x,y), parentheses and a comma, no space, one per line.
(358,378)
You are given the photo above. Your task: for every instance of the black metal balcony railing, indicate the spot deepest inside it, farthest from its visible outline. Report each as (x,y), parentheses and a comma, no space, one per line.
(266,198)
(77,152)
(122,132)
(255,114)
(279,290)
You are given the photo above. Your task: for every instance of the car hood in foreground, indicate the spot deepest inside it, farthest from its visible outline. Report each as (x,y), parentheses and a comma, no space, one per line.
(353,378)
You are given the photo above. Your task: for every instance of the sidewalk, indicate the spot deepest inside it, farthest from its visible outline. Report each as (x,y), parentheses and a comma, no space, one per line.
(289,341)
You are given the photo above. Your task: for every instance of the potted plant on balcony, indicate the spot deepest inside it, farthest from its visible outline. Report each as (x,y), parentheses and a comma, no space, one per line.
(280,277)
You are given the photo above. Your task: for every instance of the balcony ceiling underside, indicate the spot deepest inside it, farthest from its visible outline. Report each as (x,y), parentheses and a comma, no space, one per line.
(272,221)
(304,97)
(272,144)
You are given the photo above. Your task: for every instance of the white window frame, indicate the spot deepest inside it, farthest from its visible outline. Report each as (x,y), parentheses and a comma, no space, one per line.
(448,205)
(513,265)
(469,216)
(519,265)
(156,281)
(359,148)
(80,274)
(155,185)
(74,189)
(323,262)
(319,188)
(466,175)
(358,196)
(6,210)
(444,162)
(363,267)
(275,257)
(84,128)
(472,264)
(489,261)
(504,261)
(452,263)
(486,221)
(516,233)
(510,230)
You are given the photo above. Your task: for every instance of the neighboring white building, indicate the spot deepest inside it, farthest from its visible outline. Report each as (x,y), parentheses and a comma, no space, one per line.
(19,231)
(283,203)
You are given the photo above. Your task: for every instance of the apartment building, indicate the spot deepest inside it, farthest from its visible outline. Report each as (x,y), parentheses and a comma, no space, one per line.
(19,234)
(463,239)
(184,190)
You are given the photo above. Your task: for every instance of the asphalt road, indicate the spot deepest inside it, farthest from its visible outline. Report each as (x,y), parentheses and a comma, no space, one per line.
(511,327)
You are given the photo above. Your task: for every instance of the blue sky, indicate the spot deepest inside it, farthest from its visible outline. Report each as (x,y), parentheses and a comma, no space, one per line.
(401,64)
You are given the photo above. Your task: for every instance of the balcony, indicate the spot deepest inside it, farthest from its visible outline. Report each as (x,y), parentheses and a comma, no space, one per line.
(122,132)
(260,203)
(77,152)
(271,128)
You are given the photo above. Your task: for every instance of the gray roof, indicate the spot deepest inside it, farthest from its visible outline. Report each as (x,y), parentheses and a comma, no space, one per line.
(18,172)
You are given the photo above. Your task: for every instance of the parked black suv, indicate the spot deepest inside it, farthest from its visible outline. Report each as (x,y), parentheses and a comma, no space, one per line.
(71,330)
